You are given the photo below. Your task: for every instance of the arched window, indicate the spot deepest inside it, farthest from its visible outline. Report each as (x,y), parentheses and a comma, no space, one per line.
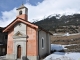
(20,12)
(42,42)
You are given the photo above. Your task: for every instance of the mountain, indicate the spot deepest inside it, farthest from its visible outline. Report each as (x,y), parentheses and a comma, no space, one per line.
(58,23)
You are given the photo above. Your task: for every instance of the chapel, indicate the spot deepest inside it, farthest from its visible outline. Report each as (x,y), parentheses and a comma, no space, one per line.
(25,39)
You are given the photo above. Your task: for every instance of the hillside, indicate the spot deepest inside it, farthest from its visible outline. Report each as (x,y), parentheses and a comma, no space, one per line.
(61,24)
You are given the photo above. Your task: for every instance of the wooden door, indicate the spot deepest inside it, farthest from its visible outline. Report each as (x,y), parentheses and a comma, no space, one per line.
(19,51)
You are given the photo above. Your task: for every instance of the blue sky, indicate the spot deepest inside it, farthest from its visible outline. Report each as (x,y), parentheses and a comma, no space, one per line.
(37,9)
(6,5)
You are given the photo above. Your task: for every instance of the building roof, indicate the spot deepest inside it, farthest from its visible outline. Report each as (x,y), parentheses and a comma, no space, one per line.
(22,6)
(1,29)
(17,20)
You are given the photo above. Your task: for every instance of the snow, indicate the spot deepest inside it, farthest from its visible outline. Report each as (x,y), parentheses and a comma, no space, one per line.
(56,47)
(62,55)
(65,34)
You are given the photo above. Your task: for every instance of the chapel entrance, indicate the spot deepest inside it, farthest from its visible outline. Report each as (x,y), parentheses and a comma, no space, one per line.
(18,52)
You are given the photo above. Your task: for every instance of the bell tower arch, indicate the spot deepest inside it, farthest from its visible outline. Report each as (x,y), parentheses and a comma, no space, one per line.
(22,12)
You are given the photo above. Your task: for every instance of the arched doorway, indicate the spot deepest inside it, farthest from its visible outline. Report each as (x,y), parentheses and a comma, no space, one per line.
(18,52)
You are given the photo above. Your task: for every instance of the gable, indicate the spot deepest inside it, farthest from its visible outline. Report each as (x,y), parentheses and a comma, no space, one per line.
(19,34)
(18,20)
(20,27)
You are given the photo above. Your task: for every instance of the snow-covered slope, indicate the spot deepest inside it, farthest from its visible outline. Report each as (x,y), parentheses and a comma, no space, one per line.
(62,55)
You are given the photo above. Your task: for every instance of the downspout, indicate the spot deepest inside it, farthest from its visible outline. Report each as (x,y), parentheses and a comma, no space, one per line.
(38,46)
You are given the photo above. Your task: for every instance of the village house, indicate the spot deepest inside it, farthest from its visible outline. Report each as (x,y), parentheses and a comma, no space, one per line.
(26,40)
(3,42)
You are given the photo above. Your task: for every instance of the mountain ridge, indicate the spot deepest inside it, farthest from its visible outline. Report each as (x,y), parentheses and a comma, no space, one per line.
(58,23)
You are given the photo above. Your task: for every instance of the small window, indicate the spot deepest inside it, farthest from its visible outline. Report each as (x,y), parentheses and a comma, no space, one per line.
(20,12)
(19,24)
(42,41)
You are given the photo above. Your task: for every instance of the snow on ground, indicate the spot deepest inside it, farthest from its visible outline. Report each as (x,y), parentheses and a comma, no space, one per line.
(58,47)
(62,55)
(65,34)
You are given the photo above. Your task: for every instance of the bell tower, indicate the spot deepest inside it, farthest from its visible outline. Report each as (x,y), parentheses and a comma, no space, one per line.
(22,12)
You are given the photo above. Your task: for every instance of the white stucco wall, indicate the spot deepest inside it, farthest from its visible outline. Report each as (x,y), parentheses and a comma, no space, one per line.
(24,11)
(20,41)
(21,28)
(46,49)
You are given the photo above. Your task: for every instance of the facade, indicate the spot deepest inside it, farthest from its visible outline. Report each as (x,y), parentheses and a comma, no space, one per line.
(26,40)
(3,42)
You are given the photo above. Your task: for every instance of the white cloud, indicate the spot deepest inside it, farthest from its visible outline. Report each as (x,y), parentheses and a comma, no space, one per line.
(43,9)
(7,17)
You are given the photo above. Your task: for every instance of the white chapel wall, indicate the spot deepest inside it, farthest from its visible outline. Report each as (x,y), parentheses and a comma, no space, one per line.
(46,49)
